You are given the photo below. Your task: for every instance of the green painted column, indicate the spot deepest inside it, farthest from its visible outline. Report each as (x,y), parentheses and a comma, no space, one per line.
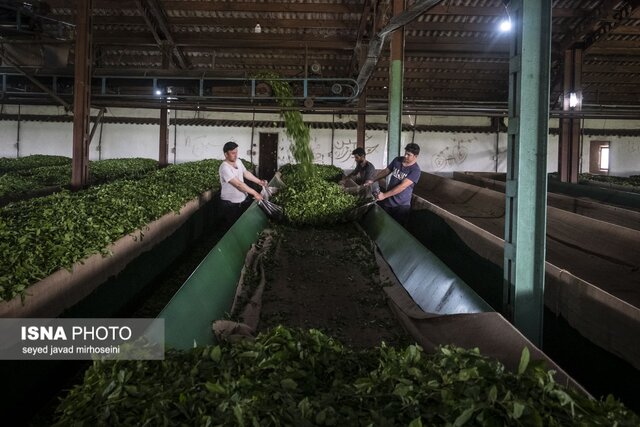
(526,207)
(394,126)
(395,110)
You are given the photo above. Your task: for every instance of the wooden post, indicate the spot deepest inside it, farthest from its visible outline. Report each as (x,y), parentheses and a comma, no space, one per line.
(81,96)
(163,158)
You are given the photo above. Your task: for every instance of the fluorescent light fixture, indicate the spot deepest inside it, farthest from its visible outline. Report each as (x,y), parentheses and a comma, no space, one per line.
(573,100)
(505,25)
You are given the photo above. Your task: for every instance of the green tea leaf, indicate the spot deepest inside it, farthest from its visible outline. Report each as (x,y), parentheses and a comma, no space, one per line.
(524,361)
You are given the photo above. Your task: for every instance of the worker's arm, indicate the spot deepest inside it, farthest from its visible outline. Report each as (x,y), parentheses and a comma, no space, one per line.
(370,175)
(251,177)
(395,190)
(384,172)
(245,188)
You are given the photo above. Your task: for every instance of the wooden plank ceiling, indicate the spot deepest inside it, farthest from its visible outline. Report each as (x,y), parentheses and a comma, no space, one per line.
(454,53)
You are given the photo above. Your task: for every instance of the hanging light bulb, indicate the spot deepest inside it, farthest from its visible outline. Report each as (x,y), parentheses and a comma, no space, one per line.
(505,25)
(573,100)
(257,29)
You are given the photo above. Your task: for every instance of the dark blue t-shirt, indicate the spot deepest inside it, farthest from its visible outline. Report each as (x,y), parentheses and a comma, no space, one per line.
(398,174)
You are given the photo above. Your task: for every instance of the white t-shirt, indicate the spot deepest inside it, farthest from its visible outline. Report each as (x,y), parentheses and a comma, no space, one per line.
(227,191)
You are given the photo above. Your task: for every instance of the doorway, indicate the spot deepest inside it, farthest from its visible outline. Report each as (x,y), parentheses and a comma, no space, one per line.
(268,158)
(599,157)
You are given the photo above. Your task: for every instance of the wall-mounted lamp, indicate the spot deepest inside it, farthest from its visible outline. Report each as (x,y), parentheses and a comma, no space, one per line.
(573,100)
(257,29)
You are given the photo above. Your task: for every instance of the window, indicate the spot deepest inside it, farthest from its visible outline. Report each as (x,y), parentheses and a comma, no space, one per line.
(603,161)
(599,157)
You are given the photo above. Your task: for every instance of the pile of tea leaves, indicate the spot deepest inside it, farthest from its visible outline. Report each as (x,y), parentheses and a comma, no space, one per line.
(305,378)
(294,172)
(313,200)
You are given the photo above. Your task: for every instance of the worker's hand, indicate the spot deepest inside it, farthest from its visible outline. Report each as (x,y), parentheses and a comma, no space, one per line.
(258,197)
(264,182)
(381,196)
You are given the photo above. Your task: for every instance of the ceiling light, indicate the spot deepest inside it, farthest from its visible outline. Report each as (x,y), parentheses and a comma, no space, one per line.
(158,92)
(505,25)
(257,29)
(573,100)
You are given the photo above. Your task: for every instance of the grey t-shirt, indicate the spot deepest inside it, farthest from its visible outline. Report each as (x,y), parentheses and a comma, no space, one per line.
(361,174)
(398,174)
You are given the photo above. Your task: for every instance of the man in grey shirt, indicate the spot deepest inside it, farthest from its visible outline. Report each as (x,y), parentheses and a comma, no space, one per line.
(364,172)
(405,173)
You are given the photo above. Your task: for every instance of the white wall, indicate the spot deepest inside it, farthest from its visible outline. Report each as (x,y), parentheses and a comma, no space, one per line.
(45,138)
(441,152)
(8,138)
(552,154)
(449,152)
(123,140)
(624,154)
(201,142)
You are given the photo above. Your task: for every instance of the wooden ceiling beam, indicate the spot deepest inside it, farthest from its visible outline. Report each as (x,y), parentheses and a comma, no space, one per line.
(186,21)
(577,34)
(631,52)
(558,12)
(456,49)
(271,6)
(626,29)
(611,78)
(608,98)
(429,74)
(443,9)
(614,19)
(475,27)
(266,24)
(448,85)
(156,20)
(97,4)
(453,94)
(228,42)
(618,44)
(611,68)
(363,31)
(628,88)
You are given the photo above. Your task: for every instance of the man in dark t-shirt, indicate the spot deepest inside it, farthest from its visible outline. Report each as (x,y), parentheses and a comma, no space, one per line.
(405,173)
(364,172)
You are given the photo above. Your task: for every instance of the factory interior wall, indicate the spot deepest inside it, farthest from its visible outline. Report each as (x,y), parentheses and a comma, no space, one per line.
(624,154)
(8,139)
(125,140)
(46,138)
(441,152)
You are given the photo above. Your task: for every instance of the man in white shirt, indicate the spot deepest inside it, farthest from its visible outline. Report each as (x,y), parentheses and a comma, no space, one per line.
(234,193)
